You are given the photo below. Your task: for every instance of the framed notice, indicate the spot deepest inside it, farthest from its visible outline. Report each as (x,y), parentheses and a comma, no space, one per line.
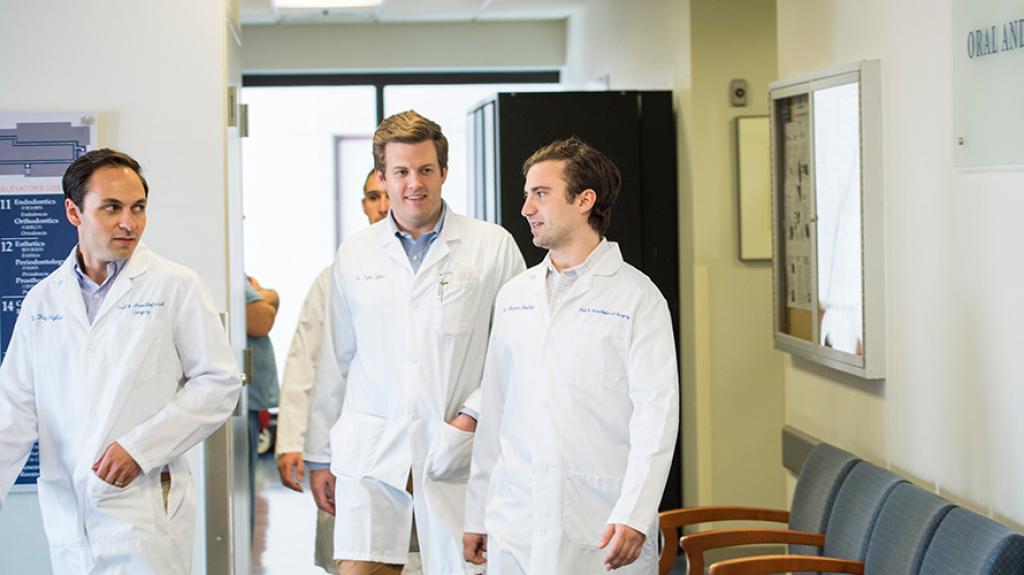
(35,236)
(988,56)
(827,228)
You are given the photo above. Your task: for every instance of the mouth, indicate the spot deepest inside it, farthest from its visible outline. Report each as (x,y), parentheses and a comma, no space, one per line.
(535,226)
(124,241)
(415,198)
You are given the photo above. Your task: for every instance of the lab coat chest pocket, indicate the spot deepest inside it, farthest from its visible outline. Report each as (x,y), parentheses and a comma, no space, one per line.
(587,502)
(456,296)
(600,353)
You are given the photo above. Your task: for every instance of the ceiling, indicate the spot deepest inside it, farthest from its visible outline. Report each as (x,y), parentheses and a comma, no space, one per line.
(264,11)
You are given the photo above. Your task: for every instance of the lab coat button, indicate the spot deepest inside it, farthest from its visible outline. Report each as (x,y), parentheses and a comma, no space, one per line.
(412,360)
(413,305)
(546,403)
(543,531)
(92,348)
(543,467)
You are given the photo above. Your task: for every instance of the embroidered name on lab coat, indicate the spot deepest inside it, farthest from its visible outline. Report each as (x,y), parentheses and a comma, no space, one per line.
(604,312)
(141,309)
(47,317)
(368,277)
(512,308)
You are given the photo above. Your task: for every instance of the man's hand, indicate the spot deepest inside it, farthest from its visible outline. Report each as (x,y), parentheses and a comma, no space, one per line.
(463,422)
(290,466)
(624,545)
(116,467)
(474,545)
(321,481)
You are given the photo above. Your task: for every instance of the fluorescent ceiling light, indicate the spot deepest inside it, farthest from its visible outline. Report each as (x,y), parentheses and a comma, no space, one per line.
(327,4)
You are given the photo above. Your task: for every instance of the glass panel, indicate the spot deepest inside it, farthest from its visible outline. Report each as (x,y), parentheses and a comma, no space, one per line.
(796,293)
(449,106)
(838,180)
(288,171)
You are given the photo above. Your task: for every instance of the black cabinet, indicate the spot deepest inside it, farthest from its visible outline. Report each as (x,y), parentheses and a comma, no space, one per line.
(636,130)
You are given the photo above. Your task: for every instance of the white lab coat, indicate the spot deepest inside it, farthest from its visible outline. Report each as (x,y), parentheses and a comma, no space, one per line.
(410,350)
(580,412)
(300,368)
(153,372)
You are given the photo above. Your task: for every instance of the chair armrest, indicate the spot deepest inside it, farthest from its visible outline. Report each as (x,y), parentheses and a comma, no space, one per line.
(784,564)
(697,543)
(677,518)
(671,521)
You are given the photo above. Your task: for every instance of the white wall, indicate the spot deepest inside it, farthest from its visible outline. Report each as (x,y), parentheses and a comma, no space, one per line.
(376,47)
(642,44)
(948,414)
(155,73)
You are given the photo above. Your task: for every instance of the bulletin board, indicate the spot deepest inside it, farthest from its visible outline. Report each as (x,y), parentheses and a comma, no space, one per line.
(35,236)
(827,222)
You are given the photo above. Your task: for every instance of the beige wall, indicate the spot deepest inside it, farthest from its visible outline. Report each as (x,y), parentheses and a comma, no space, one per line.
(732,378)
(948,413)
(389,47)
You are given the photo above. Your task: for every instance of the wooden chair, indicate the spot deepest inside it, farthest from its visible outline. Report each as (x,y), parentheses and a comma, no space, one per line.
(821,476)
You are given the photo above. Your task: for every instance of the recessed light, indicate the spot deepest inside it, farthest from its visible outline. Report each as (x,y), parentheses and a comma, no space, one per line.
(326,4)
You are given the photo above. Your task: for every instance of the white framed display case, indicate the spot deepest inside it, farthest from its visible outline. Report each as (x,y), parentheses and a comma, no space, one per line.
(827,218)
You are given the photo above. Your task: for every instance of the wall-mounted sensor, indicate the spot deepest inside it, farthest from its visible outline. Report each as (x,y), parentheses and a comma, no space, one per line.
(738,92)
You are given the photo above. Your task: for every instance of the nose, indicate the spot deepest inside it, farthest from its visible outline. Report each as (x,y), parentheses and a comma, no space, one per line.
(528,207)
(127,221)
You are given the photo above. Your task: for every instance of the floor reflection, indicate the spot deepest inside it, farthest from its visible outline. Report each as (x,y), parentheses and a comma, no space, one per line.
(285,526)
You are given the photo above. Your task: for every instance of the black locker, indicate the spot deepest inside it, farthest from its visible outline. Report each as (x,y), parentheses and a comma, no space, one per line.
(636,129)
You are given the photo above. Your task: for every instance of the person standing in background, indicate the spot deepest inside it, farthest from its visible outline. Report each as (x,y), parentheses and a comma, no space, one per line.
(260,312)
(304,356)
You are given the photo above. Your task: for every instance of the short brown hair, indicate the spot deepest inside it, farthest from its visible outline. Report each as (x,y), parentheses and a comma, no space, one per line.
(77,176)
(586,168)
(408,127)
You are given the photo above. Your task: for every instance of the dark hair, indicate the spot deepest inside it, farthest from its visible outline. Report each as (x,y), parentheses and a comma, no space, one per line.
(586,168)
(408,128)
(76,177)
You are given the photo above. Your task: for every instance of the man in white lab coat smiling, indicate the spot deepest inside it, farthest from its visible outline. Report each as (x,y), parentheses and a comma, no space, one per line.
(580,408)
(409,319)
(117,365)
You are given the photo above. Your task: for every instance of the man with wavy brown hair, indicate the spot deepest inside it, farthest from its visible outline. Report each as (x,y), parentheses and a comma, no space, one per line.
(409,320)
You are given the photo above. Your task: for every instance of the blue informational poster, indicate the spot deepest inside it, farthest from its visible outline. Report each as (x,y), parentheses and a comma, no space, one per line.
(35,236)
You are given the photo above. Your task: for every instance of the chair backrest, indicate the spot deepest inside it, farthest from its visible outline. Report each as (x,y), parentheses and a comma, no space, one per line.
(968,544)
(903,531)
(821,476)
(857,506)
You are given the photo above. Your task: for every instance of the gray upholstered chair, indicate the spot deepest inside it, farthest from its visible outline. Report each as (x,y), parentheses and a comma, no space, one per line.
(854,513)
(897,544)
(821,476)
(968,544)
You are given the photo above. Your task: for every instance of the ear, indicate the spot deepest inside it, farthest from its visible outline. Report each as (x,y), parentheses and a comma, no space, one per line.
(444,174)
(379,174)
(72,212)
(587,198)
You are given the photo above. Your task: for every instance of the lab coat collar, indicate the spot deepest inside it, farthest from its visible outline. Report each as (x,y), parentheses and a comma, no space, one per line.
(69,290)
(135,267)
(608,265)
(451,232)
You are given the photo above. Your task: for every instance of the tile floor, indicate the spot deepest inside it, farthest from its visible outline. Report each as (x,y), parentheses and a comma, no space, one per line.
(285,525)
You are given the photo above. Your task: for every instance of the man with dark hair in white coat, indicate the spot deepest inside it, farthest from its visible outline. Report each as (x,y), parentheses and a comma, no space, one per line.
(304,356)
(580,408)
(118,365)
(410,315)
